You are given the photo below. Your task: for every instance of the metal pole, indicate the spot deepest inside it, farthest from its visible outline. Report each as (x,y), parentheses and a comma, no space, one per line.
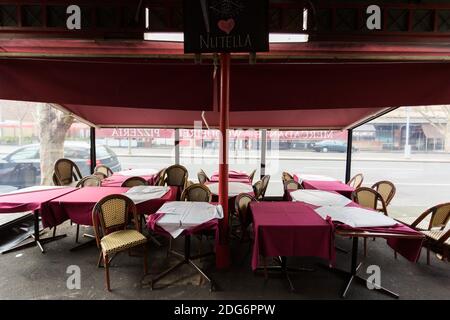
(222,249)
(177,146)
(263,152)
(407,146)
(348,163)
(93,151)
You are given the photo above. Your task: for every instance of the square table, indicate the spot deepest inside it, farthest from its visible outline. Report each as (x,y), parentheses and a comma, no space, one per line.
(326,185)
(233,176)
(118,178)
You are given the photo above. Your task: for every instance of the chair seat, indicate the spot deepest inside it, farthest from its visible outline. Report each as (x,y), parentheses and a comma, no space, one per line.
(121,240)
(435,235)
(423,225)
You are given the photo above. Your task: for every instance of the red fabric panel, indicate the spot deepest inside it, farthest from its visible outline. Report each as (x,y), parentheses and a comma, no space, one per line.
(110,116)
(163,86)
(338,85)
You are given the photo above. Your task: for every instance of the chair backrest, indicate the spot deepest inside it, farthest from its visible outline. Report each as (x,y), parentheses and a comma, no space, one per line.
(176,175)
(440,216)
(369,198)
(134,182)
(89,181)
(202,177)
(286,176)
(112,213)
(66,171)
(265,180)
(104,169)
(55,179)
(241,206)
(251,176)
(386,189)
(100,175)
(258,189)
(292,185)
(196,192)
(160,177)
(356,181)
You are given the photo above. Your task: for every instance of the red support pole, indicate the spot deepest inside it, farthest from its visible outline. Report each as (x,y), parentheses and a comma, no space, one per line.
(222,248)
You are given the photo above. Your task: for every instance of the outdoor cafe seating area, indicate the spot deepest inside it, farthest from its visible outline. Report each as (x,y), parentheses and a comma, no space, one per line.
(163,224)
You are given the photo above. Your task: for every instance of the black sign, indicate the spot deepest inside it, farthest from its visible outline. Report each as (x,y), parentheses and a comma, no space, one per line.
(226,26)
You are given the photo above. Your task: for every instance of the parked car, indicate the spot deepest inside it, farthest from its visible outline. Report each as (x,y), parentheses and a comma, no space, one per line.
(21,168)
(331,146)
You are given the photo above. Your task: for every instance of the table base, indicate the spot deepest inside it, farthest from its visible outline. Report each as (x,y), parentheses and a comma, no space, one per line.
(186,259)
(283,270)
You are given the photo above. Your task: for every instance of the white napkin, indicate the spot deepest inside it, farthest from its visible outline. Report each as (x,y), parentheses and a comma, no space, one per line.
(320,198)
(140,194)
(356,217)
(181,215)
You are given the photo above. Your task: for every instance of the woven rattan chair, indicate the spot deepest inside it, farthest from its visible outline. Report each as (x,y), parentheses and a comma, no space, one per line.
(241,207)
(251,176)
(202,177)
(286,176)
(196,192)
(160,177)
(290,185)
(55,179)
(439,242)
(134,182)
(100,175)
(386,189)
(67,172)
(370,199)
(258,189)
(104,169)
(265,183)
(176,175)
(356,181)
(110,218)
(435,218)
(89,181)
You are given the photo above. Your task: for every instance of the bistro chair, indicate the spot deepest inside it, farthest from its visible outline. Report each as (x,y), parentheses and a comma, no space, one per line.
(176,175)
(437,241)
(258,189)
(434,218)
(202,177)
(110,218)
(104,169)
(356,181)
(369,198)
(241,206)
(55,179)
(251,176)
(67,172)
(286,176)
(386,189)
(159,181)
(89,181)
(134,182)
(265,182)
(290,185)
(99,175)
(196,192)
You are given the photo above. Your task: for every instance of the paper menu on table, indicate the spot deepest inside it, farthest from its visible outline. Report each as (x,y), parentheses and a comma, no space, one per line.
(140,194)
(356,217)
(179,215)
(320,198)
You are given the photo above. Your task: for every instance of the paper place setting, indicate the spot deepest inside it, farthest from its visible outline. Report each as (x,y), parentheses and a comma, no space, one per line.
(320,198)
(315,177)
(140,194)
(181,215)
(137,172)
(356,217)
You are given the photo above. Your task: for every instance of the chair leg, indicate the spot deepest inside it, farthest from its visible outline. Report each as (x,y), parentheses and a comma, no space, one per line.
(77,234)
(428,256)
(106,263)
(54,232)
(99,261)
(395,255)
(365,247)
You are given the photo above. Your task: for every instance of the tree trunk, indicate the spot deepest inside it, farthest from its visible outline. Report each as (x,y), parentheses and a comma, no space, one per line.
(53,126)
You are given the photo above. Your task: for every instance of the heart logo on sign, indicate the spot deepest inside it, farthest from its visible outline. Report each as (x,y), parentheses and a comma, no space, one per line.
(226,25)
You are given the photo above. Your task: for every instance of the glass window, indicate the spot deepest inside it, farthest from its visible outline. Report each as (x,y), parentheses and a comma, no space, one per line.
(26,153)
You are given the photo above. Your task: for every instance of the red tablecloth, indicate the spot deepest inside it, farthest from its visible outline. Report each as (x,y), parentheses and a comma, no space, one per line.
(116,180)
(290,229)
(336,186)
(233,176)
(33,200)
(78,205)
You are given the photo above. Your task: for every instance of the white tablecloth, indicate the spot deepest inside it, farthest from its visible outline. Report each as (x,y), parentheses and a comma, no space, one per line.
(140,194)
(320,198)
(234,188)
(137,172)
(356,217)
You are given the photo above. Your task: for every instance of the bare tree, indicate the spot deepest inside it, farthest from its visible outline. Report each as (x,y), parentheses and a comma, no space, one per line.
(433,114)
(53,127)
